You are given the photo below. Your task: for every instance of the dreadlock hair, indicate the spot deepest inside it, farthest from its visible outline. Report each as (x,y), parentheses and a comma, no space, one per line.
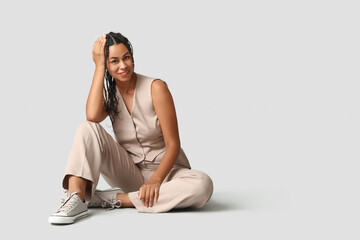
(111,100)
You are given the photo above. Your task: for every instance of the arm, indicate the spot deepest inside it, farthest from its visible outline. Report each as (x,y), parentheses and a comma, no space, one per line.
(165,110)
(95,108)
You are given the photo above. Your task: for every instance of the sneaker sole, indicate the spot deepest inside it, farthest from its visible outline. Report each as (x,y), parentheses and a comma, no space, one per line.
(67,220)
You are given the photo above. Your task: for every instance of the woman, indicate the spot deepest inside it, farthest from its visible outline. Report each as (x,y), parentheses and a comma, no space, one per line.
(145,165)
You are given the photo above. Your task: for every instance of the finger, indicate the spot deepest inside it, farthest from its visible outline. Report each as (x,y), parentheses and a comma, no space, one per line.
(151,199)
(147,198)
(96,44)
(143,195)
(157,190)
(100,38)
(102,44)
(97,40)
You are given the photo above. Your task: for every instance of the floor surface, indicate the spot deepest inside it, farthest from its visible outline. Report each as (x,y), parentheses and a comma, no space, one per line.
(254,213)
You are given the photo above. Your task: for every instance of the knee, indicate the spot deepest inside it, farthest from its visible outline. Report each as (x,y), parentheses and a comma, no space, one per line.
(203,189)
(86,127)
(87,124)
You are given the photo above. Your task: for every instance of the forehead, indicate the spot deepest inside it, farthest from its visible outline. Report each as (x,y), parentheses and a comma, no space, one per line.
(117,50)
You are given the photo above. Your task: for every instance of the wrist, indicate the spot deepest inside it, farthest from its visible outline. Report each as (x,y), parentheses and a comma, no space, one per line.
(155,180)
(99,66)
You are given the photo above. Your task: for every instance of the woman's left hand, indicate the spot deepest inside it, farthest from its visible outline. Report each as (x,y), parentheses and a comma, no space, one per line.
(149,192)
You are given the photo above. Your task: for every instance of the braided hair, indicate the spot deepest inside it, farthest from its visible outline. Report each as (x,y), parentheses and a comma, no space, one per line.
(111,100)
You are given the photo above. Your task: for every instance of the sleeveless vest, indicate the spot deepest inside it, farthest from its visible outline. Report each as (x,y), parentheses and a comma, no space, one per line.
(140,132)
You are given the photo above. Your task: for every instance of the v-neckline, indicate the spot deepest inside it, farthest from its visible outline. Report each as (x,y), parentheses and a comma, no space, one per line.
(133,100)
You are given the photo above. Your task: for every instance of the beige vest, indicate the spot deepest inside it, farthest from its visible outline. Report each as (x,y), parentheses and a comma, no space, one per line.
(139,132)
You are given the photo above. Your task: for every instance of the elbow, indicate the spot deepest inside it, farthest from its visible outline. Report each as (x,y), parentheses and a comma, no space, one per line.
(92,118)
(89,116)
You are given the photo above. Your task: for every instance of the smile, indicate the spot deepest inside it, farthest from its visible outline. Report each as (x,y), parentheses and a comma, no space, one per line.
(124,74)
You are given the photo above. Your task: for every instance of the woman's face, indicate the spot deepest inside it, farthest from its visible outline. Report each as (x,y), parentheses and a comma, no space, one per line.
(119,63)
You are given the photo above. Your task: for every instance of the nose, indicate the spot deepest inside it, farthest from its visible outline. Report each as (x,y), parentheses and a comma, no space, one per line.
(122,65)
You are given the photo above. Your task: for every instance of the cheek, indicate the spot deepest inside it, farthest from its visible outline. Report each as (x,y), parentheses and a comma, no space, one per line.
(113,68)
(130,64)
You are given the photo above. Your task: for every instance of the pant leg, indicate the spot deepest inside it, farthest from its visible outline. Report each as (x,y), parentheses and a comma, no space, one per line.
(182,188)
(94,151)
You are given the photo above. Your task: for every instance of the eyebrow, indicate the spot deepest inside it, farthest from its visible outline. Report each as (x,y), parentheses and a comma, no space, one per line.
(117,57)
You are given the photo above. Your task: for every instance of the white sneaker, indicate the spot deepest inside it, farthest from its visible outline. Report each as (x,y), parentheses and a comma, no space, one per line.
(70,210)
(105,198)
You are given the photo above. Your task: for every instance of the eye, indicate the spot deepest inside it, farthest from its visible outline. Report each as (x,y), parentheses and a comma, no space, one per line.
(126,57)
(115,61)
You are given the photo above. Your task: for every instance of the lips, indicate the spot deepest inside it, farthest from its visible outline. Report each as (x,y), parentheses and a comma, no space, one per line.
(124,73)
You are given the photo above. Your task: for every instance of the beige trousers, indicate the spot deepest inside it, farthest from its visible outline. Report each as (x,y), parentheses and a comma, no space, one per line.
(95,152)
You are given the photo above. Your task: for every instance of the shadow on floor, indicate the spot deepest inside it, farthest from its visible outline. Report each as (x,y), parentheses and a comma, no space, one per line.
(211,206)
(219,202)
(246,199)
(241,200)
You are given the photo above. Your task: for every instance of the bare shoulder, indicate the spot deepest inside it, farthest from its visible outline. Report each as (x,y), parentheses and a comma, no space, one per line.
(159,87)
(158,84)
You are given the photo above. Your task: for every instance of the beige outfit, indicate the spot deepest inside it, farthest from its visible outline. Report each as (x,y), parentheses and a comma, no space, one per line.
(131,159)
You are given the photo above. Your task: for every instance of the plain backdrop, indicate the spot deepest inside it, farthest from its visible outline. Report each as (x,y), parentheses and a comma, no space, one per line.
(267,100)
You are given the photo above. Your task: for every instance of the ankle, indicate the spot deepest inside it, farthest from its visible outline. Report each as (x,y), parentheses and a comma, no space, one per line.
(125,200)
(80,194)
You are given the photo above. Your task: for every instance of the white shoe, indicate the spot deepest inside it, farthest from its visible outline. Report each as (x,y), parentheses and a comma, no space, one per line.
(70,210)
(105,198)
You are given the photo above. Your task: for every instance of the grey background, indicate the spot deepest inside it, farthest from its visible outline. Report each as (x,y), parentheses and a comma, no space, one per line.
(267,99)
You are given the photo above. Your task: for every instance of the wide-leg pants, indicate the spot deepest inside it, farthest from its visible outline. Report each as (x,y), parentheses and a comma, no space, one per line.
(95,152)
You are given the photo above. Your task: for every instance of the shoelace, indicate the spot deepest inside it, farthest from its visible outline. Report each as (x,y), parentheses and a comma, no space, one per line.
(67,196)
(113,202)
(67,203)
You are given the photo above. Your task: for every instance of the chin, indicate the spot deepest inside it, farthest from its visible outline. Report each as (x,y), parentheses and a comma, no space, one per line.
(122,79)
(127,77)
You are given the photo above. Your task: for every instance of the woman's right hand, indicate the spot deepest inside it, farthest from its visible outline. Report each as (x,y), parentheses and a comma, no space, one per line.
(99,51)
